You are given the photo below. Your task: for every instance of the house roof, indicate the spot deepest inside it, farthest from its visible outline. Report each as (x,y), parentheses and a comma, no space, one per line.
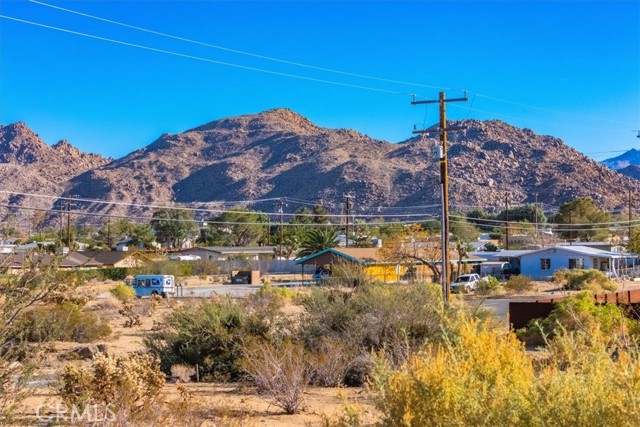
(357,255)
(226,250)
(582,250)
(503,253)
(107,257)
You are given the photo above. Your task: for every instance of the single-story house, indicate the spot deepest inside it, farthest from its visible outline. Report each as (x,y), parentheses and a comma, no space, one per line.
(225,253)
(369,258)
(542,263)
(115,259)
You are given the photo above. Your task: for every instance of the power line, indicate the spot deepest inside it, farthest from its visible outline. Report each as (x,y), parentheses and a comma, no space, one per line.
(240,52)
(199,58)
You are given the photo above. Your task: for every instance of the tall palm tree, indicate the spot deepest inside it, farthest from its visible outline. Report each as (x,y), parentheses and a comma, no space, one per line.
(317,240)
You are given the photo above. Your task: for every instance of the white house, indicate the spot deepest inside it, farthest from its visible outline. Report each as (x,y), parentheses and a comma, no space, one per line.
(541,264)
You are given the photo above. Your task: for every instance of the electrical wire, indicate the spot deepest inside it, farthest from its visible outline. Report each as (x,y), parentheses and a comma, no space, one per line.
(199,58)
(240,52)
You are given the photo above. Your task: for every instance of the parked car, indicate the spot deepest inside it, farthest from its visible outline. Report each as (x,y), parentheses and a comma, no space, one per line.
(465,283)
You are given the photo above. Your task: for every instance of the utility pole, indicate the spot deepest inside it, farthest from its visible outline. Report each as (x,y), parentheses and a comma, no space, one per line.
(629,216)
(444,182)
(69,223)
(506,221)
(535,214)
(281,232)
(348,203)
(109,232)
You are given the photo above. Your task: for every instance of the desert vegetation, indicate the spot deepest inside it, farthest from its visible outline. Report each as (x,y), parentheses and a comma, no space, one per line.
(418,362)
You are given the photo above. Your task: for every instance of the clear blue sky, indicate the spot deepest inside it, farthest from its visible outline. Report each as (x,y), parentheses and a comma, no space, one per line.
(578,62)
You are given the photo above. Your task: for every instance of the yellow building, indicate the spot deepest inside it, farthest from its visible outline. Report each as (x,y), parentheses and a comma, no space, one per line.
(369,258)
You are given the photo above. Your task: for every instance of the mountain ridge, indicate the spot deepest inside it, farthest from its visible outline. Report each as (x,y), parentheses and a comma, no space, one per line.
(279,153)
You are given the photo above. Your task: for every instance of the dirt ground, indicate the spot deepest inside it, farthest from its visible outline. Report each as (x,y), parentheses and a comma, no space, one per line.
(236,399)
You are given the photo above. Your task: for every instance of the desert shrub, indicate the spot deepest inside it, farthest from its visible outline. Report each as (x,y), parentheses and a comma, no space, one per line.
(209,334)
(330,362)
(174,268)
(483,378)
(348,274)
(519,285)
(488,285)
(390,318)
(114,273)
(580,314)
(123,292)
(204,268)
(131,386)
(588,279)
(18,358)
(62,322)
(280,372)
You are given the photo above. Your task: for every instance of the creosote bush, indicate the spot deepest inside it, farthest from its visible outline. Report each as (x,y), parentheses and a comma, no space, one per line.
(209,334)
(592,280)
(581,314)
(62,322)
(488,285)
(123,292)
(519,285)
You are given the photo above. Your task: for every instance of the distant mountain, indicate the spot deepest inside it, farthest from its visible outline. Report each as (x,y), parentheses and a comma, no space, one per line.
(28,165)
(278,153)
(632,170)
(631,157)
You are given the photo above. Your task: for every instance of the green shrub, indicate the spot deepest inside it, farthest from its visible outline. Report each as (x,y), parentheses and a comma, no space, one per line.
(123,292)
(210,335)
(485,378)
(580,314)
(594,280)
(63,322)
(519,284)
(488,285)
(375,317)
(113,273)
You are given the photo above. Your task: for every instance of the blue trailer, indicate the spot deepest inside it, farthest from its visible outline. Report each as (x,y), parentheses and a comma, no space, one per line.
(154,284)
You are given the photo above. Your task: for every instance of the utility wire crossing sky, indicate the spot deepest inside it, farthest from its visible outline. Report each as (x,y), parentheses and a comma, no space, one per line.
(112,76)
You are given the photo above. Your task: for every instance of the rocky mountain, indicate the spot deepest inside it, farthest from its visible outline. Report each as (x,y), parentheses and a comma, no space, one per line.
(28,165)
(278,153)
(632,170)
(631,157)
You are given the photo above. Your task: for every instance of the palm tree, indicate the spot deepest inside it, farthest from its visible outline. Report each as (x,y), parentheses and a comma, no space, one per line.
(317,240)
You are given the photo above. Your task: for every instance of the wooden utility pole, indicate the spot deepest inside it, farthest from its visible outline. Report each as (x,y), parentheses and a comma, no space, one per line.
(348,203)
(69,223)
(506,221)
(535,214)
(281,233)
(629,216)
(109,232)
(444,183)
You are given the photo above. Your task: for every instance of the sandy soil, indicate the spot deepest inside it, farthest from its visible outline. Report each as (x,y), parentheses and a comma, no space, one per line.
(237,400)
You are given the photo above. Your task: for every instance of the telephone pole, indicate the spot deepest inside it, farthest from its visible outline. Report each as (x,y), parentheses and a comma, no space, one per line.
(348,203)
(535,214)
(444,182)
(281,233)
(506,221)
(629,216)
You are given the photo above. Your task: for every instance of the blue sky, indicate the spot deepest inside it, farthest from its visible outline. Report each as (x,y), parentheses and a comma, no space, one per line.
(569,69)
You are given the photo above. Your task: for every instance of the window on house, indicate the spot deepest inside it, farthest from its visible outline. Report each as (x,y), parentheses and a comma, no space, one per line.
(576,263)
(545,263)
